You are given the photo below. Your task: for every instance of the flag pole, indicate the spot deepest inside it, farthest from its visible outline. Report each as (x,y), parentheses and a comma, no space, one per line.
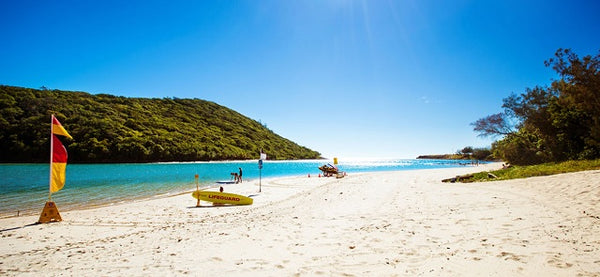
(51,151)
(50,212)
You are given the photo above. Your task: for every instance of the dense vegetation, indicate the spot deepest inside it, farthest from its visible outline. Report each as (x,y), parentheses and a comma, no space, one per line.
(551,124)
(467,153)
(108,128)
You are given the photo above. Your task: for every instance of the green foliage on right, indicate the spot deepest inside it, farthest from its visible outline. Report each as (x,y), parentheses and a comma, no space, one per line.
(544,169)
(551,124)
(108,128)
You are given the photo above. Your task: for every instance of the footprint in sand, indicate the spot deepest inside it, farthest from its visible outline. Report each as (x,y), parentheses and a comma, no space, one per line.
(559,263)
(510,256)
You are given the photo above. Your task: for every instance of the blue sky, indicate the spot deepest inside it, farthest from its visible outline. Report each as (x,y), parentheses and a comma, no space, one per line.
(346,78)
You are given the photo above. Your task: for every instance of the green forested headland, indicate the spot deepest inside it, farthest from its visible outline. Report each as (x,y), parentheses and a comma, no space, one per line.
(108,128)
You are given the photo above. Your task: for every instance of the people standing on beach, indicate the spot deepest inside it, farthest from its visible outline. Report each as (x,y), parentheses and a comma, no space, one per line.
(240,175)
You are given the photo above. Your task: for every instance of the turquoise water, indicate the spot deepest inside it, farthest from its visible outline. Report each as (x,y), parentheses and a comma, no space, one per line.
(25,186)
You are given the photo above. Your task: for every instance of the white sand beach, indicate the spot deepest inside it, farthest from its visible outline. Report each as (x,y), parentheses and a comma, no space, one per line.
(404,223)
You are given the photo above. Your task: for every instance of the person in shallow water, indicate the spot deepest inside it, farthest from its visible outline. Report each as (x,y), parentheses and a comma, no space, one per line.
(240,175)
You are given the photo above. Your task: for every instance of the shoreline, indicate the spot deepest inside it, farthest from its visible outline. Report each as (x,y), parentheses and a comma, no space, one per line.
(383,223)
(85,197)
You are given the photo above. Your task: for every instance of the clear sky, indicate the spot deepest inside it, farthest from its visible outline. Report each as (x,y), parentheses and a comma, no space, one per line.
(346,78)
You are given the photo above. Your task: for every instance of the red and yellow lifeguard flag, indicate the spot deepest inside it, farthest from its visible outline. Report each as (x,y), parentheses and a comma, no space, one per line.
(58,157)
(58,129)
(59,165)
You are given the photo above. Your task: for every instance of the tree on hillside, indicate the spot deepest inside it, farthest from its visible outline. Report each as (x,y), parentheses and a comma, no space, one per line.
(553,123)
(493,126)
(467,150)
(482,154)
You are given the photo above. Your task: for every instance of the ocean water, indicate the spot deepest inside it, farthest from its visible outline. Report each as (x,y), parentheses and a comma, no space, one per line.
(24,187)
